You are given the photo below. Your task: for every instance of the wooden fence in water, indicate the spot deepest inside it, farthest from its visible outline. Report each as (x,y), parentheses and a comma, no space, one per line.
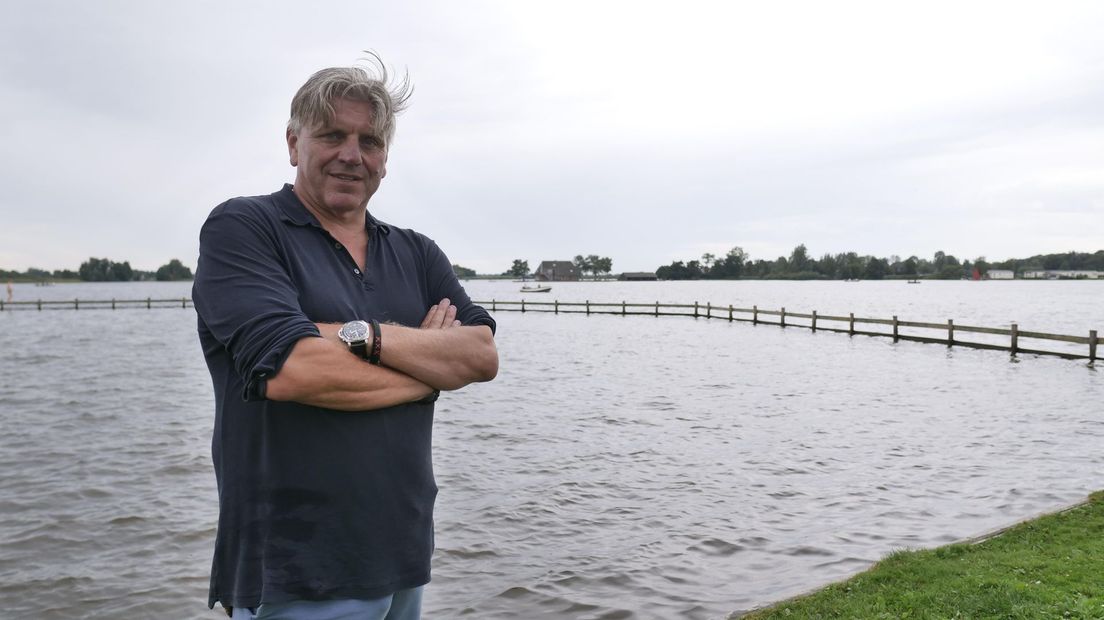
(948,333)
(93,304)
(935,333)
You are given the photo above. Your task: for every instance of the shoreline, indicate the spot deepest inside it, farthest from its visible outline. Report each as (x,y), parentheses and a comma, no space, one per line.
(847,597)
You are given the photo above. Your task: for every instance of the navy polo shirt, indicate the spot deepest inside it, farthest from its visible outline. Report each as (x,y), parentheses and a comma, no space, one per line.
(313,503)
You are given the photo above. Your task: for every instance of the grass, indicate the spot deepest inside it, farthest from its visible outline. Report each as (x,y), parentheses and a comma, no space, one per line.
(1050,567)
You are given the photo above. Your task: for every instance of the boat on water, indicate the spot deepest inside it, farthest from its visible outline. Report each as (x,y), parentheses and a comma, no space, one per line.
(914,281)
(536,288)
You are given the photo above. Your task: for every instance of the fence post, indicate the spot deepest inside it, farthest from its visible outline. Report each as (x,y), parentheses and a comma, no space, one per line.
(851,325)
(148,303)
(657,308)
(556,306)
(492,305)
(708,309)
(523,306)
(950,332)
(755,315)
(814,321)
(1092,346)
(1,305)
(695,309)
(588,307)
(112,303)
(40,304)
(729,313)
(894,328)
(782,317)
(622,307)
(183,302)
(76,304)
(1015,338)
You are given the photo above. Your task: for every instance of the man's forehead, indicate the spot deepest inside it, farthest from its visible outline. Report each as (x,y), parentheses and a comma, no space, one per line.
(350,110)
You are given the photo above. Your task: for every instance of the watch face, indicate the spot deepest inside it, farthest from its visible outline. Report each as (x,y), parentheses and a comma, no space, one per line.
(354,331)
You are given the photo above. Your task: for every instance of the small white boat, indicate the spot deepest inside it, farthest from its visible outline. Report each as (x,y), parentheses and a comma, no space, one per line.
(536,288)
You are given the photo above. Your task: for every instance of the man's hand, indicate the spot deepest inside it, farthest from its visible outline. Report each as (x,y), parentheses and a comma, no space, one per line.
(441,352)
(441,316)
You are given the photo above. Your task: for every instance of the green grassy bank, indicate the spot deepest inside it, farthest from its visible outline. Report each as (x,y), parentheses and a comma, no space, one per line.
(1050,567)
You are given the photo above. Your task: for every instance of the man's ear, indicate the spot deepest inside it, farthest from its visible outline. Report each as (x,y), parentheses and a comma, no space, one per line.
(293,147)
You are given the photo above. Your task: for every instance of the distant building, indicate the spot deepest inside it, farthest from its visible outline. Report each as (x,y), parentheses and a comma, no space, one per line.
(1000,274)
(556,271)
(637,276)
(1062,274)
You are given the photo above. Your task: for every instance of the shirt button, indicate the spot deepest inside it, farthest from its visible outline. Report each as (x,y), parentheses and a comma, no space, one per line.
(337,244)
(356,271)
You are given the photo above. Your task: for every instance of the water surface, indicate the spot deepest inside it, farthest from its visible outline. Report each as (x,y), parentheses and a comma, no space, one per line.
(617,468)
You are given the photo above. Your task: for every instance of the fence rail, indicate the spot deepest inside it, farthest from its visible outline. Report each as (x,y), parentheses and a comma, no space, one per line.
(946,333)
(96,304)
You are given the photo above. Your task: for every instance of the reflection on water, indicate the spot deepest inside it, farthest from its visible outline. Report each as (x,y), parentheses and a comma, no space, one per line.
(617,468)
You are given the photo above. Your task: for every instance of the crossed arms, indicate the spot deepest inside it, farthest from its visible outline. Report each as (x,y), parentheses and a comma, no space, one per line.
(440,354)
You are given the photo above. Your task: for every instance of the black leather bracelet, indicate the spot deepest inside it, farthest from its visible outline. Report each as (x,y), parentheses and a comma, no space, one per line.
(377,345)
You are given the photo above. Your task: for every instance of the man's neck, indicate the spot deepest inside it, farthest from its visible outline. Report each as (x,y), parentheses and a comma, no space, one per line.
(342,225)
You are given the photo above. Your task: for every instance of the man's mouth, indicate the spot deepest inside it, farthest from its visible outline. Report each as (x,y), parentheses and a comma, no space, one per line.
(352,178)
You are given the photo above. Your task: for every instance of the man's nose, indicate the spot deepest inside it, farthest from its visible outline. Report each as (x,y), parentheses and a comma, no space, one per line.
(349,151)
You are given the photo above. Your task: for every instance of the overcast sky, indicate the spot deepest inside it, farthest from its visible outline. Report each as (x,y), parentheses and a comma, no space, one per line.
(646,132)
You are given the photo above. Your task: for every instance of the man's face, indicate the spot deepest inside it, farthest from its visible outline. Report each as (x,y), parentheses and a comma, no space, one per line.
(341,163)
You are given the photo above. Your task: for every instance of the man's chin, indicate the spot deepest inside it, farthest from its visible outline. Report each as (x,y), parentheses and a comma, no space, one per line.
(339,201)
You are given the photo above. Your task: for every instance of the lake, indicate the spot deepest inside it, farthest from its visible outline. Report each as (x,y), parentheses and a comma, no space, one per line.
(618,467)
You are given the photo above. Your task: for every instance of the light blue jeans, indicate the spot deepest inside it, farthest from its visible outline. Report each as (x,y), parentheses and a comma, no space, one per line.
(402,605)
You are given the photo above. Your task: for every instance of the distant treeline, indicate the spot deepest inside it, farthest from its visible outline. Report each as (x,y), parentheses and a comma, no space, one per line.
(846,266)
(102,270)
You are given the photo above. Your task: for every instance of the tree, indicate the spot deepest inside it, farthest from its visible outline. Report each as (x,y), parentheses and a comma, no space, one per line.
(602,265)
(950,272)
(174,270)
(851,266)
(679,271)
(592,263)
(708,259)
(876,269)
(463,272)
(520,268)
(799,259)
(581,263)
(731,266)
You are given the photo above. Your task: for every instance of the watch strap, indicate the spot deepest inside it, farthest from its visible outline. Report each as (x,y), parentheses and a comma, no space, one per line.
(359,349)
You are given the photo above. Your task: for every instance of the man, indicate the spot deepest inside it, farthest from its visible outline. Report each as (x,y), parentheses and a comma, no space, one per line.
(329,334)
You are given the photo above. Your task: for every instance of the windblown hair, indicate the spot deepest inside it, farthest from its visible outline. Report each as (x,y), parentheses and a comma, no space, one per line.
(313,105)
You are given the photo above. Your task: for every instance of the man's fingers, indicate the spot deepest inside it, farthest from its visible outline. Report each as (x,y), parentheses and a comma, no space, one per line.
(440,316)
(430,317)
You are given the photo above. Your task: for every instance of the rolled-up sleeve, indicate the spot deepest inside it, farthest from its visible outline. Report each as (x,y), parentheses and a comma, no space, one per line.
(245,297)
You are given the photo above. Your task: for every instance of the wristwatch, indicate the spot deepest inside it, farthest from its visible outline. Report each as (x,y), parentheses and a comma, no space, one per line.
(355,335)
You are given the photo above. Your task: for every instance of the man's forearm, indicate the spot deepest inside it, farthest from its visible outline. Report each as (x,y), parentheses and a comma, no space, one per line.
(323,373)
(446,359)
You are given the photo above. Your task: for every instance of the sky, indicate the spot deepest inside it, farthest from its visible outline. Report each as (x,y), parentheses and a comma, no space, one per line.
(647,132)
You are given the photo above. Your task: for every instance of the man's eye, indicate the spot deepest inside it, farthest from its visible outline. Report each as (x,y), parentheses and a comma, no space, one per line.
(374,143)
